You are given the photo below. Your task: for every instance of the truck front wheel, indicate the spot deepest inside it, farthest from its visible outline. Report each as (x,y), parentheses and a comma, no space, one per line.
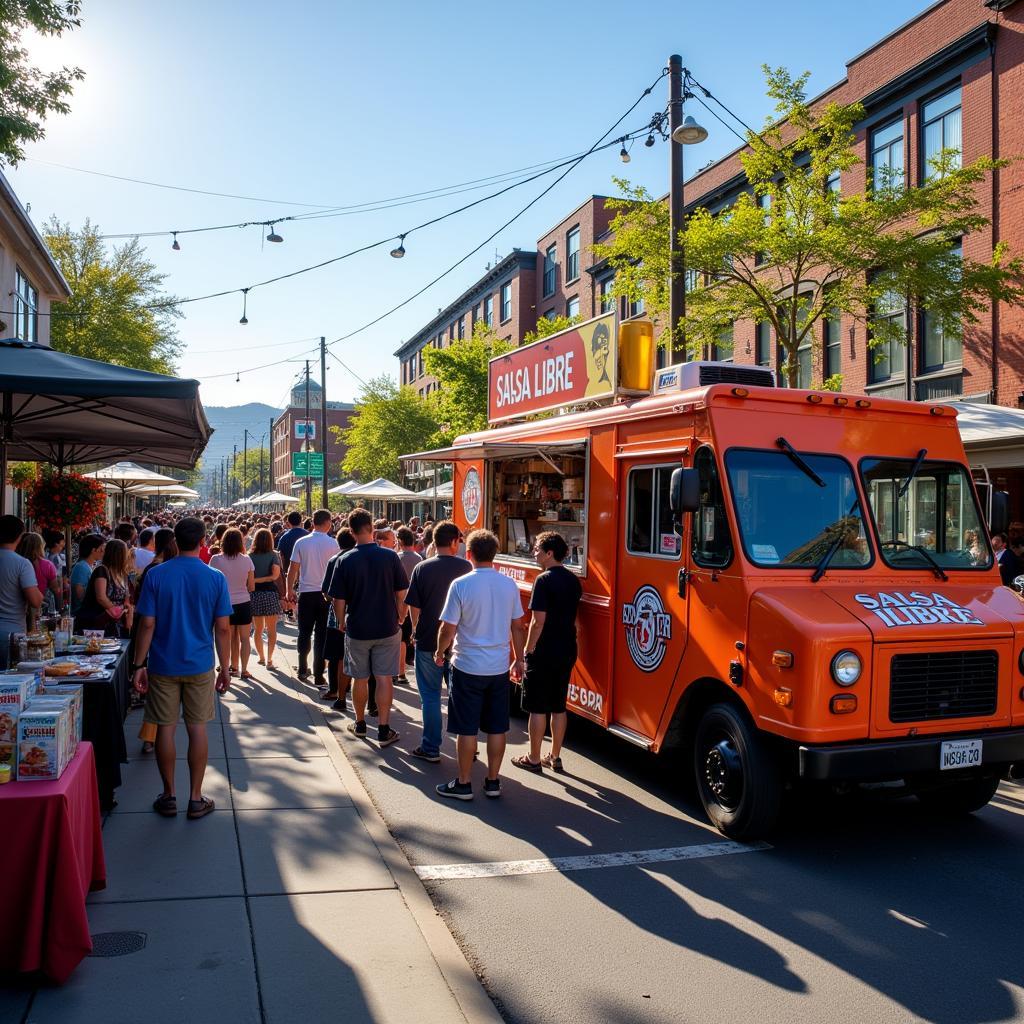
(738,775)
(955,798)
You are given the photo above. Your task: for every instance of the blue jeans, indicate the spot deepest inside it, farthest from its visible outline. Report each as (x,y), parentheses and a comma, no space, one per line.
(428,681)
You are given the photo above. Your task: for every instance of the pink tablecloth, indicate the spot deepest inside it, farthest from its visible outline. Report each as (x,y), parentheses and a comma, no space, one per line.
(52,858)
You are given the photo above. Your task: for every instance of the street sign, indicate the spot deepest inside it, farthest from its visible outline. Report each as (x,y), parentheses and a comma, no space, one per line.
(307,464)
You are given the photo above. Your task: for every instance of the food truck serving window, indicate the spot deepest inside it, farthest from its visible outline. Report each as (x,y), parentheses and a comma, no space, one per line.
(530,493)
(791,514)
(712,544)
(927,510)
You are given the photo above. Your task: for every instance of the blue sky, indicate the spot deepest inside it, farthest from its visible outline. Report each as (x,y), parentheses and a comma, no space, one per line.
(336,104)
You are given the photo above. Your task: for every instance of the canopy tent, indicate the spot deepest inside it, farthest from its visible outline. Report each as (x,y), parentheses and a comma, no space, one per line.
(66,410)
(380,490)
(276,498)
(993,435)
(345,487)
(445,490)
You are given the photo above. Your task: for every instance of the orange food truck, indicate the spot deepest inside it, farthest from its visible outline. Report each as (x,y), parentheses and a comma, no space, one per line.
(784,584)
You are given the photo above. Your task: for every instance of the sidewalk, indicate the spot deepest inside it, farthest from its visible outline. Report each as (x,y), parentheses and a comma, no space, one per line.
(291,902)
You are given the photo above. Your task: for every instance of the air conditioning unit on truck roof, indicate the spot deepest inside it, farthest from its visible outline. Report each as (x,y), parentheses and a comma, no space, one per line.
(701,373)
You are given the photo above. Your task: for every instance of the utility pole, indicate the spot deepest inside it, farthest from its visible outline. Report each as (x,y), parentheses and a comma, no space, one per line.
(223,492)
(677,265)
(234,474)
(271,482)
(309,479)
(263,490)
(245,463)
(323,415)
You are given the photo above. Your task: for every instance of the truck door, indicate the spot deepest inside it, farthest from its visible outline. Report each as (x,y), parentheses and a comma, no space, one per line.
(650,614)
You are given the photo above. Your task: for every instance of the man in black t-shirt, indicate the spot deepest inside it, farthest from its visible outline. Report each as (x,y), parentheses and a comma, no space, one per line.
(550,651)
(368,587)
(428,588)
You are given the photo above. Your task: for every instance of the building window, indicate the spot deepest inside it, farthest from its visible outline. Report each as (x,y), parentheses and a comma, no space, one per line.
(764,203)
(649,529)
(606,301)
(419,363)
(885,360)
(831,344)
(636,307)
(941,129)
(572,255)
(549,270)
(549,315)
(763,344)
(803,363)
(572,307)
(940,348)
(887,156)
(489,311)
(506,301)
(692,280)
(460,328)
(832,183)
(721,350)
(26,308)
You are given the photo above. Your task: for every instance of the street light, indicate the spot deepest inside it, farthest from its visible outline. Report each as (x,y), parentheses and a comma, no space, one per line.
(683,132)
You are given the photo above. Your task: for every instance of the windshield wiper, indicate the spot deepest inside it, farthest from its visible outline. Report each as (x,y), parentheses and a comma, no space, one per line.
(940,573)
(819,569)
(913,472)
(798,460)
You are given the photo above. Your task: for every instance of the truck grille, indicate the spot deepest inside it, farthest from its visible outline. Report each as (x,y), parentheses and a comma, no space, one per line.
(946,684)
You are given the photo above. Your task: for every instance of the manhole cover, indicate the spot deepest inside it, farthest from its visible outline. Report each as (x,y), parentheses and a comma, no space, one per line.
(117,943)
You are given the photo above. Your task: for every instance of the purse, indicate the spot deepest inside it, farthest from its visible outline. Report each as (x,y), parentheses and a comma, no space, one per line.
(281,583)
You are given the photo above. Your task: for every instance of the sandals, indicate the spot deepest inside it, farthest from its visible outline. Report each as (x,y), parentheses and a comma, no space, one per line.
(199,808)
(525,763)
(271,666)
(166,806)
(554,763)
(246,674)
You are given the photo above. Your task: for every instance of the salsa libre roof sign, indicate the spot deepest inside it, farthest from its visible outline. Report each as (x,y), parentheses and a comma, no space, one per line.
(571,366)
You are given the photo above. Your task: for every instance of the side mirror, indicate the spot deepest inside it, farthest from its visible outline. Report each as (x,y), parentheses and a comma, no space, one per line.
(684,492)
(1000,516)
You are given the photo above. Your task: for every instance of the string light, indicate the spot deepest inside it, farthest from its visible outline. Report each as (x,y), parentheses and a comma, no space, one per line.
(273,236)
(174,244)
(649,141)
(399,250)
(245,303)
(624,153)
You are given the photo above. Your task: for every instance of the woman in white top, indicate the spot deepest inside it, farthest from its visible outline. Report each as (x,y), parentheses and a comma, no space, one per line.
(240,573)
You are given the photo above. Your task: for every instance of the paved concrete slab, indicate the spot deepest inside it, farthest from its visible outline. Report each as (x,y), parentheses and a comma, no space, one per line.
(140,783)
(265,782)
(292,851)
(266,710)
(197,965)
(273,741)
(149,857)
(342,964)
(14,996)
(215,739)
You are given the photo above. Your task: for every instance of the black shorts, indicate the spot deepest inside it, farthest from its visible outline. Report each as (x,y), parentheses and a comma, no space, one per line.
(241,614)
(477,704)
(546,684)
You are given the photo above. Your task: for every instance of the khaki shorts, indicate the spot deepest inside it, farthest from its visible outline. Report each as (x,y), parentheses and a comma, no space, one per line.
(364,658)
(167,695)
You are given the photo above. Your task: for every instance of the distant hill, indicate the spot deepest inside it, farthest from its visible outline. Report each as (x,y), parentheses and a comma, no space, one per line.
(229,422)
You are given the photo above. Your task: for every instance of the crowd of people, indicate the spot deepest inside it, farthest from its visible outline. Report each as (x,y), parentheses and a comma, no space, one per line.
(371,599)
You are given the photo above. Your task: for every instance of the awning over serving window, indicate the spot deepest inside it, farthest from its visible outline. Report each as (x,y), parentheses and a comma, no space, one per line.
(993,435)
(496,450)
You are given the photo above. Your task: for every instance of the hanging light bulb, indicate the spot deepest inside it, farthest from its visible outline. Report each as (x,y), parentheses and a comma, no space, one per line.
(245,304)
(399,250)
(689,132)
(649,141)
(238,377)
(624,153)
(174,244)
(273,236)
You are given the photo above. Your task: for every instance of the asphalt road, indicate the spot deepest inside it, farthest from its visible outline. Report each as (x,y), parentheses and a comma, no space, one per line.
(862,909)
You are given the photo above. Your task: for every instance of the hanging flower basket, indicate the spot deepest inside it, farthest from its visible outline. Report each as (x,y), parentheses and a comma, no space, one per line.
(65,501)
(22,474)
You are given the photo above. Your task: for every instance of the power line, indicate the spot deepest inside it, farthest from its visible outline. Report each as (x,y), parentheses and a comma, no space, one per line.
(345,366)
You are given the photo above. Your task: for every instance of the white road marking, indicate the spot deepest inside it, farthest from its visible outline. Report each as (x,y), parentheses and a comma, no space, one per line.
(586,862)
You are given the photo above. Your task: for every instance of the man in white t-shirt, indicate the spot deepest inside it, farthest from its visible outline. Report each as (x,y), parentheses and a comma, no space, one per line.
(306,570)
(482,615)
(146,551)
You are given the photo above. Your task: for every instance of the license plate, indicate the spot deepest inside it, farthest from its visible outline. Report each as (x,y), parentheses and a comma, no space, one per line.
(960,754)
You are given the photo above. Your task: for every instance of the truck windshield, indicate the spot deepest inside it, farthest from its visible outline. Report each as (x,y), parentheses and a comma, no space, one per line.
(788,518)
(936,514)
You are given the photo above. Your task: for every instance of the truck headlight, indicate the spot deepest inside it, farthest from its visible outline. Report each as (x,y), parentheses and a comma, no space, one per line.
(846,668)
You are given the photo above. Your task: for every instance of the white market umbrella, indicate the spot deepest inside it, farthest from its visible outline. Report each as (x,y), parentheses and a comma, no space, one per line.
(123,475)
(277,498)
(445,490)
(381,490)
(175,490)
(345,488)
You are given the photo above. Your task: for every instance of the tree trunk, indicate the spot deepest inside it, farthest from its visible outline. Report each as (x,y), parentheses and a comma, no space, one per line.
(792,367)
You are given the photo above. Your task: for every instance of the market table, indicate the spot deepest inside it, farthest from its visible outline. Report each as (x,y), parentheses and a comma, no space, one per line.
(52,859)
(104,707)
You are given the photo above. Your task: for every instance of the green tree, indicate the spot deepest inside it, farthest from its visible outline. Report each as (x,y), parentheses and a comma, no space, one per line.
(246,471)
(792,250)
(389,421)
(27,94)
(460,404)
(547,326)
(117,312)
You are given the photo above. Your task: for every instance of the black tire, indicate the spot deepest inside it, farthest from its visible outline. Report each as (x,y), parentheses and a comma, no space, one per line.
(738,776)
(965,796)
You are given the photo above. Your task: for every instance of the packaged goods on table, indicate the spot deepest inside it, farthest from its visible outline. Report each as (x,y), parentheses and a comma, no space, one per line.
(43,742)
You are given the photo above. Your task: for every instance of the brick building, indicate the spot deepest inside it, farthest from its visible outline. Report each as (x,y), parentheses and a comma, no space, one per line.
(951,77)
(291,430)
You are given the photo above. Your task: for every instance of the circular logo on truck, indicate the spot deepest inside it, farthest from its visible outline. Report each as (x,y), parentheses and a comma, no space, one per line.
(648,628)
(472,495)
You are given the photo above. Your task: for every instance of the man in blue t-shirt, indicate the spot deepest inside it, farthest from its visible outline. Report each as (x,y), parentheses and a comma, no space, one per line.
(184,604)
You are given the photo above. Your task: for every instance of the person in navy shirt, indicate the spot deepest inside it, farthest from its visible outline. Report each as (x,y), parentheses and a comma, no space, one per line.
(184,605)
